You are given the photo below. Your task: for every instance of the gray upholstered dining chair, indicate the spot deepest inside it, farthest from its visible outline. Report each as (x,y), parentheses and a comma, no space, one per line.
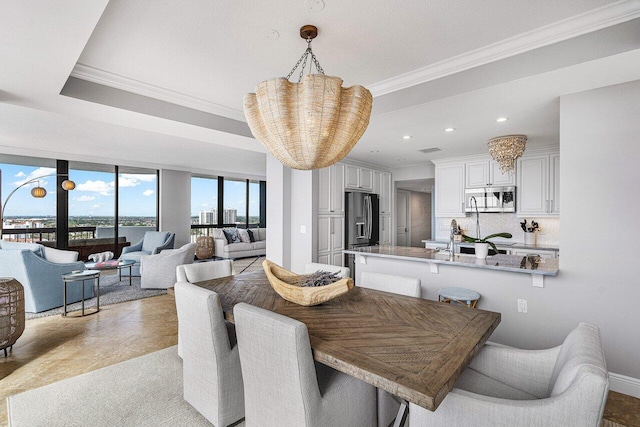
(312,267)
(389,405)
(201,271)
(211,364)
(283,385)
(504,386)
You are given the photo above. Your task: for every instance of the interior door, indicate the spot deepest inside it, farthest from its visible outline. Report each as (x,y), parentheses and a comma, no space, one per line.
(402,218)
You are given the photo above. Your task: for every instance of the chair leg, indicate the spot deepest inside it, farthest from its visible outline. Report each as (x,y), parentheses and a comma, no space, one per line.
(403,413)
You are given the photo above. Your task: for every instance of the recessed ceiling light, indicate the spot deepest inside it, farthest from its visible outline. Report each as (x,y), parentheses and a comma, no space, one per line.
(406,137)
(449,129)
(272,34)
(314,5)
(375,151)
(501,119)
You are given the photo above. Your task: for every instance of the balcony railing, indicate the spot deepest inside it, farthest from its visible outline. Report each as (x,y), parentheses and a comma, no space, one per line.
(198,230)
(46,234)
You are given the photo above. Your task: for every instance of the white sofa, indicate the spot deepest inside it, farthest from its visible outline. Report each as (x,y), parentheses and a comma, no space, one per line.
(240,250)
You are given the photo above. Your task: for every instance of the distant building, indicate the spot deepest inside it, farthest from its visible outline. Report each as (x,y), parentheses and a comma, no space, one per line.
(229,216)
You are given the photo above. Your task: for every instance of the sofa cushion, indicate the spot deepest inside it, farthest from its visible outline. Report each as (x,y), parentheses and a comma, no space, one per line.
(154,239)
(244,235)
(262,234)
(218,234)
(17,246)
(236,247)
(231,235)
(60,256)
(259,245)
(251,236)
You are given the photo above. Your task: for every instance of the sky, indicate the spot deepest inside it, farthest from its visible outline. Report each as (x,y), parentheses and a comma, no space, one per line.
(94,193)
(204,196)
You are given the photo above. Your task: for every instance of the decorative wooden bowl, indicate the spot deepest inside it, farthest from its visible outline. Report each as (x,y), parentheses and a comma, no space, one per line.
(280,281)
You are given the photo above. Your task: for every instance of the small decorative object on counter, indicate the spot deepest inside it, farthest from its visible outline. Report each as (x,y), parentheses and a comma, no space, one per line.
(529,232)
(482,245)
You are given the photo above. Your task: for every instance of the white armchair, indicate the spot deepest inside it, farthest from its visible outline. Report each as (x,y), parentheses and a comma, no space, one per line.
(505,386)
(159,271)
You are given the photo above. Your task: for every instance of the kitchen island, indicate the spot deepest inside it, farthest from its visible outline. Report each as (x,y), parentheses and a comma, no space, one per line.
(536,266)
(544,250)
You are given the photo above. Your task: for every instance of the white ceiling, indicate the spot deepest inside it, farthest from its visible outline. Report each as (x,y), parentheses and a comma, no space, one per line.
(205,55)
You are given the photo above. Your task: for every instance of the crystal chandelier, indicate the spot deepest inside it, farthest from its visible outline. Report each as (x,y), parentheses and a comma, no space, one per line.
(506,149)
(311,124)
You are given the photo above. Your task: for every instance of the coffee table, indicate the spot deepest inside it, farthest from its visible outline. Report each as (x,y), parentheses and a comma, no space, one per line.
(82,276)
(110,265)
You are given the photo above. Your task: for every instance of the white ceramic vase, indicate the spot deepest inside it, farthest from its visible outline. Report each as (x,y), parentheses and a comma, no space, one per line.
(530,238)
(482,250)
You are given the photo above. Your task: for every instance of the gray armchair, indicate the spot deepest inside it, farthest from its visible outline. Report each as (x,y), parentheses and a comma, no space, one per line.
(159,271)
(41,278)
(504,386)
(152,243)
(284,387)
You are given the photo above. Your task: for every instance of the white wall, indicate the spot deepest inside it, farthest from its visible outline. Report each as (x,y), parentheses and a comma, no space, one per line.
(278,212)
(424,171)
(599,178)
(303,188)
(175,204)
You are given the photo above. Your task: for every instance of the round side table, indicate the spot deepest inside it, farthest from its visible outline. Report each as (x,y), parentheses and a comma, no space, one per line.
(82,276)
(11,312)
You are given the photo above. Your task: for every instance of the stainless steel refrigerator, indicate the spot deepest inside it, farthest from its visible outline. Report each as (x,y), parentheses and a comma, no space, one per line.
(362,223)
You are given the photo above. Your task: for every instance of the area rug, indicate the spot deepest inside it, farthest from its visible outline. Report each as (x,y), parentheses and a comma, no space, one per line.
(112,291)
(145,391)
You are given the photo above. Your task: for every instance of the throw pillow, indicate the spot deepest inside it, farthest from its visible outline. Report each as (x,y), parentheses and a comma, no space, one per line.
(244,235)
(251,238)
(232,235)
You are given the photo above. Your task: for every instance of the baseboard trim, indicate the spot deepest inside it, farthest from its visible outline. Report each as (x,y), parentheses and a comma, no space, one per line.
(625,385)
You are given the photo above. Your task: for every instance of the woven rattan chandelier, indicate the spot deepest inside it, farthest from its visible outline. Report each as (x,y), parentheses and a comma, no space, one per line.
(311,124)
(506,149)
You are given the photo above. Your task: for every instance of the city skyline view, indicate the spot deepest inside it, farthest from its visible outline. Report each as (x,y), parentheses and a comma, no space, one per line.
(94,195)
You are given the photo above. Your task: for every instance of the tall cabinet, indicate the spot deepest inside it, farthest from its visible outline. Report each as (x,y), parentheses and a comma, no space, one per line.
(332,184)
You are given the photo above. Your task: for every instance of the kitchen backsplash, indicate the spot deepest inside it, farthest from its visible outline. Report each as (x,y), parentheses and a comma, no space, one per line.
(547,234)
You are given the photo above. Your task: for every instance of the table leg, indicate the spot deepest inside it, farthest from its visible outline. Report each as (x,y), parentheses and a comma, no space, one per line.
(97,281)
(83,297)
(119,274)
(64,309)
(130,273)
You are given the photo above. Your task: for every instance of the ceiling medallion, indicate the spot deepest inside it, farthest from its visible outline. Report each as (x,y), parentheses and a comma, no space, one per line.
(311,124)
(506,149)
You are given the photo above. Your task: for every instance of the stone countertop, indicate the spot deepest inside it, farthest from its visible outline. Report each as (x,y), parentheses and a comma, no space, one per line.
(503,262)
(503,244)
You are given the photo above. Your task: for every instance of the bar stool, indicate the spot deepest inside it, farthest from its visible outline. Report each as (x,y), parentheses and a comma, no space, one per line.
(460,295)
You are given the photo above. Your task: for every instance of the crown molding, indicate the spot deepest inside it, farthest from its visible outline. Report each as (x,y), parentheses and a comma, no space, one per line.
(106,78)
(593,20)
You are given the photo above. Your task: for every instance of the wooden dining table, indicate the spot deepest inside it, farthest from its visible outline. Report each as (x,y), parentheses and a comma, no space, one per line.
(413,348)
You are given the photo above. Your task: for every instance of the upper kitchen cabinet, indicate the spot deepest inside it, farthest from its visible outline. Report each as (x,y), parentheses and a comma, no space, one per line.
(449,187)
(331,190)
(386,207)
(358,178)
(538,191)
(486,173)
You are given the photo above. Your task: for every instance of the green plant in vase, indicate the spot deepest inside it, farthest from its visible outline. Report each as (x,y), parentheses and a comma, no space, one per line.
(482,245)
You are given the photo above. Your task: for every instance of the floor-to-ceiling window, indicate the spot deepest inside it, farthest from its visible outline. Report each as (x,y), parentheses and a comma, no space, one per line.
(26,218)
(254,203)
(235,202)
(137,203)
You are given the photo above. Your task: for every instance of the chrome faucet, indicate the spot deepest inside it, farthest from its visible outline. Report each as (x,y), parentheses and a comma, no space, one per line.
(452,241)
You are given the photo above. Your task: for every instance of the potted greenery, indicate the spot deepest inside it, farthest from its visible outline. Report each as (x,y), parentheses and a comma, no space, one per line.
(482,245)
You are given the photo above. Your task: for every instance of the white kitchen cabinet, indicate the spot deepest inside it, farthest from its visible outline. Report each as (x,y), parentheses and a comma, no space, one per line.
(538,191)
(386,207)
(337,258)
(449,187)
(487,173)
(385,229)
(331,190)
(330,239)
(358,178)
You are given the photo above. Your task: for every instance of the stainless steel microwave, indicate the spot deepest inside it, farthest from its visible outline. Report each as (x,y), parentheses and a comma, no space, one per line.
(490,199)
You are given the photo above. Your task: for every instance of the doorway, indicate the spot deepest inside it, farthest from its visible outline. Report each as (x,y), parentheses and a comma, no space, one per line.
(414,212)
